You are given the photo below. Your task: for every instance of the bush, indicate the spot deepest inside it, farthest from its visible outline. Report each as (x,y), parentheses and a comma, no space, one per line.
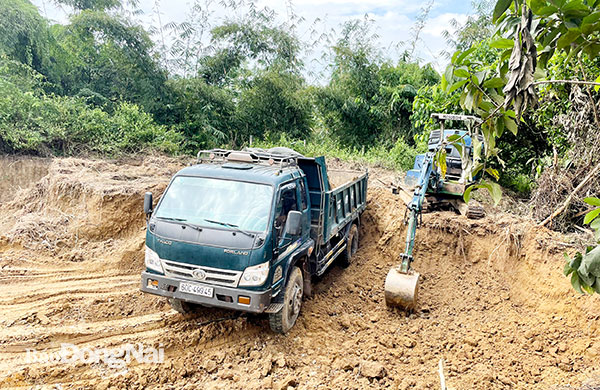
(36,123)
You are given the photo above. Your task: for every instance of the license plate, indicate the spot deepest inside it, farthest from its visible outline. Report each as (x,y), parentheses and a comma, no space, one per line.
(197,289)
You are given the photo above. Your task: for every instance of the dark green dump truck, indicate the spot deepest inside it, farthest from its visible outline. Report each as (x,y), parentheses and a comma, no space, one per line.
(249,230)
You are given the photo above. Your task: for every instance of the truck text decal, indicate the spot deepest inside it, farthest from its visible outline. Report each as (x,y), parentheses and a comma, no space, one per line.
(234,252)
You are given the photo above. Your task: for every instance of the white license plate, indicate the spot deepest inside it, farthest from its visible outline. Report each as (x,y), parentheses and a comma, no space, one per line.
(197,289)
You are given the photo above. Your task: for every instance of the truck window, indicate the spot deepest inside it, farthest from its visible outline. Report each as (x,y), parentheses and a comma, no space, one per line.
(303,201)
(287,202)
(204,201)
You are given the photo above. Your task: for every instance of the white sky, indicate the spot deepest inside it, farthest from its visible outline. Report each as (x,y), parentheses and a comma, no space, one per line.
(393,20)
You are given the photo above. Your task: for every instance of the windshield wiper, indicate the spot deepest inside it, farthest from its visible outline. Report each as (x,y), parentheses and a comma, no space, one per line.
(230,225)
(181,221)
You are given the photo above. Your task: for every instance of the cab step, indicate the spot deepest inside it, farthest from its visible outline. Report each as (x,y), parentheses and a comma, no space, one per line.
(274,308)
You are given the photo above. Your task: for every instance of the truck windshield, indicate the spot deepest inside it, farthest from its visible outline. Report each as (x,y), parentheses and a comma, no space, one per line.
(198,199)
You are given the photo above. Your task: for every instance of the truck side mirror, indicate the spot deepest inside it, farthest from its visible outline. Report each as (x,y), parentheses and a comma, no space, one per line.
(148,203)
(293,224)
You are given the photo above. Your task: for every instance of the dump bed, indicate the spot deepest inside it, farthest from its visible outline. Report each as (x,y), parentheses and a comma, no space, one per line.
(336,197)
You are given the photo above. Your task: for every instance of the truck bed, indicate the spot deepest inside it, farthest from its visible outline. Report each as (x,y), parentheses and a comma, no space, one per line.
(338,177)
(345,202)
(336,197)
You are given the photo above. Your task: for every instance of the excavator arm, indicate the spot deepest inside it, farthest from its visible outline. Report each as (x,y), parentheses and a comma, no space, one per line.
(414,211)
(402,282)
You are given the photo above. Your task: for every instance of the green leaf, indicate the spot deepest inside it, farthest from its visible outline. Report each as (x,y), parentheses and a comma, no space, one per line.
(589,217)
(502,43)
(576,262)
(592,201)
(576,283)
(596,225)
(467,194)
(567,269)
(568,38)
(547,11)
(500,8)
(575,8)
(511,125)
(457,85)
(586,287)
(536,5)
(455,57)
(496,192)
(477,169)
(461,72)
(495,82)
(448,74)
(464,54)
(469,99)
(591,18)
(590,263)
(444,83)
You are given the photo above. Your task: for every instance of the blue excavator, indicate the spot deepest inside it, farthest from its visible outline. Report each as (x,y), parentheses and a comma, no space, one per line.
(431,186)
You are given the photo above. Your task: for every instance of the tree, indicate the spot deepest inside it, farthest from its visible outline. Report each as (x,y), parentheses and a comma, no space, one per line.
(26,37)
(558,26)
(369,99)
(248,83)
(109,58)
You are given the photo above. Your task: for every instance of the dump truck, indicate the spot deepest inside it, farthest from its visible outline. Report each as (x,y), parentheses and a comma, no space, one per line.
(249,230)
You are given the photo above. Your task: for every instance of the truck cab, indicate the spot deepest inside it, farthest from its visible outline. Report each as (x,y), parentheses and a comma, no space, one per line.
(246,230)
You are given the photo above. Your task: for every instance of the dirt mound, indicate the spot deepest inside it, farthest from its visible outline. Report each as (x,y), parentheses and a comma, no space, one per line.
(494,304)
(81,202)
(18,173)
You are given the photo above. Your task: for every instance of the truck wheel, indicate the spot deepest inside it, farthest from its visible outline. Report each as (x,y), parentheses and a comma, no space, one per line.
(351,246)
(180,306)
(282,321)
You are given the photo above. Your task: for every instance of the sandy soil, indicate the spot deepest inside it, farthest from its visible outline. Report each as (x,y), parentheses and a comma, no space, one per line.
(494,304)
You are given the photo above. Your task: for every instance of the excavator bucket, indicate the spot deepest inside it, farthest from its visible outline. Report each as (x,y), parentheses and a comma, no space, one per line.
(401,289)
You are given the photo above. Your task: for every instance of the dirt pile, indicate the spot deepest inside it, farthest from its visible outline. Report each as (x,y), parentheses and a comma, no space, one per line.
(494,304)
(18,173)
(81,207)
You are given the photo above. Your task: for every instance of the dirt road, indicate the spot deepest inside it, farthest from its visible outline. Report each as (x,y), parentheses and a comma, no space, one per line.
(494,304)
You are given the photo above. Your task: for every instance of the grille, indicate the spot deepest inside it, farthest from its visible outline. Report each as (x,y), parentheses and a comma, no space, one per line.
(216,276)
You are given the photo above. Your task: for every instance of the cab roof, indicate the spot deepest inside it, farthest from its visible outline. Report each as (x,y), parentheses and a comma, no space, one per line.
(251,172)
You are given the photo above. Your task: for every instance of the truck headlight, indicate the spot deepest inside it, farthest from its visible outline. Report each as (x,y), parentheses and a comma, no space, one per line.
(153,261)
(255,275)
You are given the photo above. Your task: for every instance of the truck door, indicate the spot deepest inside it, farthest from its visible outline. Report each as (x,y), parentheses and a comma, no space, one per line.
(287,201)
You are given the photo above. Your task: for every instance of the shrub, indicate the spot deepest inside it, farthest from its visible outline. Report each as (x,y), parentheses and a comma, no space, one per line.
(33,122)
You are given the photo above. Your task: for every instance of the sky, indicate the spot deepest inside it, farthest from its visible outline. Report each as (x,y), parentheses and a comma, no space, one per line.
(393,21)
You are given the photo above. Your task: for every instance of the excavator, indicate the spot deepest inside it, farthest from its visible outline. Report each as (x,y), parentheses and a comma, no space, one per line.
(432,186)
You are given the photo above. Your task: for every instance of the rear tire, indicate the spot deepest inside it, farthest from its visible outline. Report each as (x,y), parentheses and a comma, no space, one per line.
(282,321)
(182,307)
(351,246)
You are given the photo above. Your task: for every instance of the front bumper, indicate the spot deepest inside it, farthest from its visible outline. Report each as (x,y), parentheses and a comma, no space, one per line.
(224,297)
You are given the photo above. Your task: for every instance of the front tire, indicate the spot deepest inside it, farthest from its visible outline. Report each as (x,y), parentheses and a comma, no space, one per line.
(282,321)
(182,307)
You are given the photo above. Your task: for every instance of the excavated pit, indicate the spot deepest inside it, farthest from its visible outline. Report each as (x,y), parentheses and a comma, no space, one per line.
(493,302)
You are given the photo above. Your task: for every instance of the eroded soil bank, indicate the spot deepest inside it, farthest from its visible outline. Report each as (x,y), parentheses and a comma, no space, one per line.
(494,304)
